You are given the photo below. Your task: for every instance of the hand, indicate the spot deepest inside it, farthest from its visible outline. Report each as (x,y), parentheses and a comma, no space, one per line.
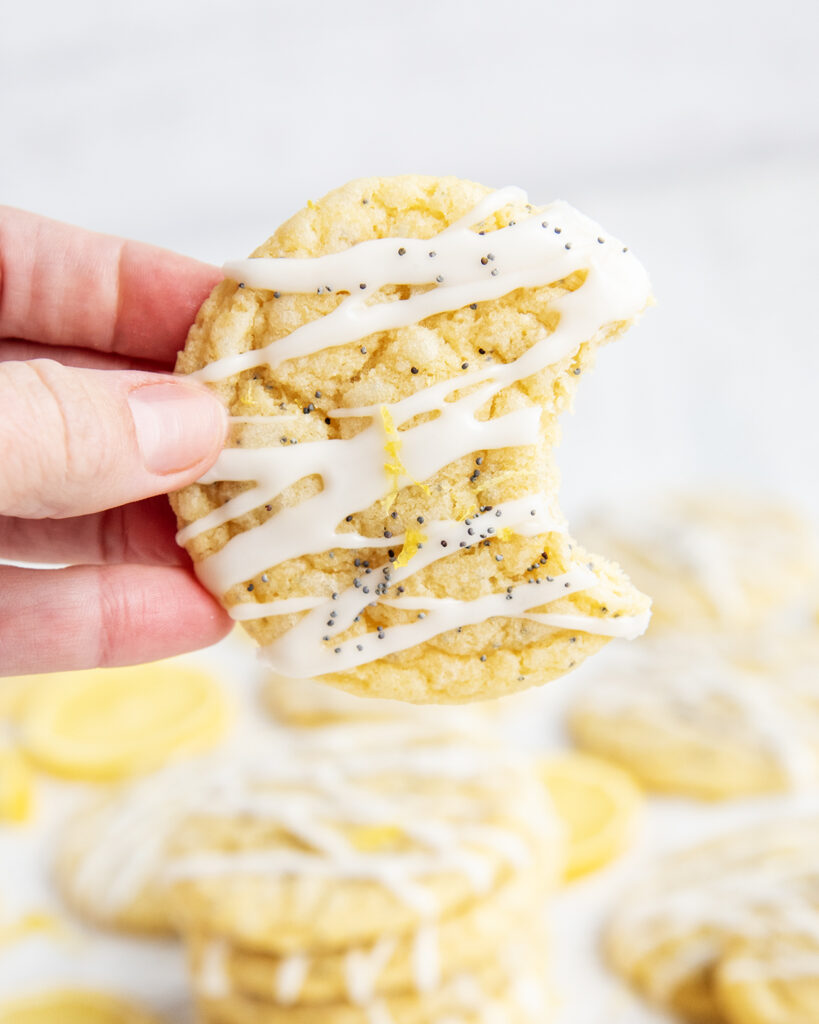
(92,427)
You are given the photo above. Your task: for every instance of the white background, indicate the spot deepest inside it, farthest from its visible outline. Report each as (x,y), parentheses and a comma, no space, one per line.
(689,129)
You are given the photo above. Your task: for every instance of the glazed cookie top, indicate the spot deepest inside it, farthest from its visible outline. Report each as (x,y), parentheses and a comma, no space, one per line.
(382,833)
(394,358)
(340,848)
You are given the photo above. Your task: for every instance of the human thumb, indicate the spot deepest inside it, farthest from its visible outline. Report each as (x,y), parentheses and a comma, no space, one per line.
(75,441)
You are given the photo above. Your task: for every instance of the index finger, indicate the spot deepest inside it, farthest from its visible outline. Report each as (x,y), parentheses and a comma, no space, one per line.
(62,285)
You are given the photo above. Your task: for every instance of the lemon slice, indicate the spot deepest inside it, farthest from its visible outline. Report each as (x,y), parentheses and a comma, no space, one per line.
(111,723)
(72,1006)
(16,787)
(599,804)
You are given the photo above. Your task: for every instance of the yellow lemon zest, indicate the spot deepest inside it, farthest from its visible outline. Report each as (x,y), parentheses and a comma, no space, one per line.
(412,541)
(505,533)
(395,468)
(466,512)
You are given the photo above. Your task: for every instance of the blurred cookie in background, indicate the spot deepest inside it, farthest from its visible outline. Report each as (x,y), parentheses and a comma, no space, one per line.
(110,856)
(713,718)
(305,703)
(392,879)
(335,873)
(712,933)
(770,980)
(711,561)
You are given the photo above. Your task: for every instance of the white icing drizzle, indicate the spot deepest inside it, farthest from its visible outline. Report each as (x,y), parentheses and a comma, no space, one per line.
(290,977)
(320,790)
(426,958)
(123,843)
(463,267)
(213,980)
(363,967)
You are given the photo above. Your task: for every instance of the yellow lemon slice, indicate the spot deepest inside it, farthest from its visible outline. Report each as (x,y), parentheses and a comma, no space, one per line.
(599,804)
(16,787)
(110,723)
(72,1007)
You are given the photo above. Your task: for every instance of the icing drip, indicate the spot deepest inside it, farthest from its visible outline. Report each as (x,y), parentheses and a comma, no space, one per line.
(462,267)
(363,967)
(213,979)
(426,958)
(290,976)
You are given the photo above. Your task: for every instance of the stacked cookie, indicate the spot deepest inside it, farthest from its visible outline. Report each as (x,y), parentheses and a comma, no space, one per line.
(394,883)
(337,876)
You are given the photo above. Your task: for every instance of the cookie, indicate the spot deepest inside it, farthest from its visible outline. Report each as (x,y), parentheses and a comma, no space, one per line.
(712,561)
(303,703)
(394,359)
(503,993)
(713,719)
(773,981)
(698,909)
(415,962)
(309,850)
(113,859)
(111,855)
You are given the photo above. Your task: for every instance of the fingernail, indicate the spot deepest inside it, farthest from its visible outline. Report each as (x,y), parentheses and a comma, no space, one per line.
(176,425)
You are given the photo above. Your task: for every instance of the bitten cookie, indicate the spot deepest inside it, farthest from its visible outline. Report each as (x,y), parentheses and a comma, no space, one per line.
(394,359)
